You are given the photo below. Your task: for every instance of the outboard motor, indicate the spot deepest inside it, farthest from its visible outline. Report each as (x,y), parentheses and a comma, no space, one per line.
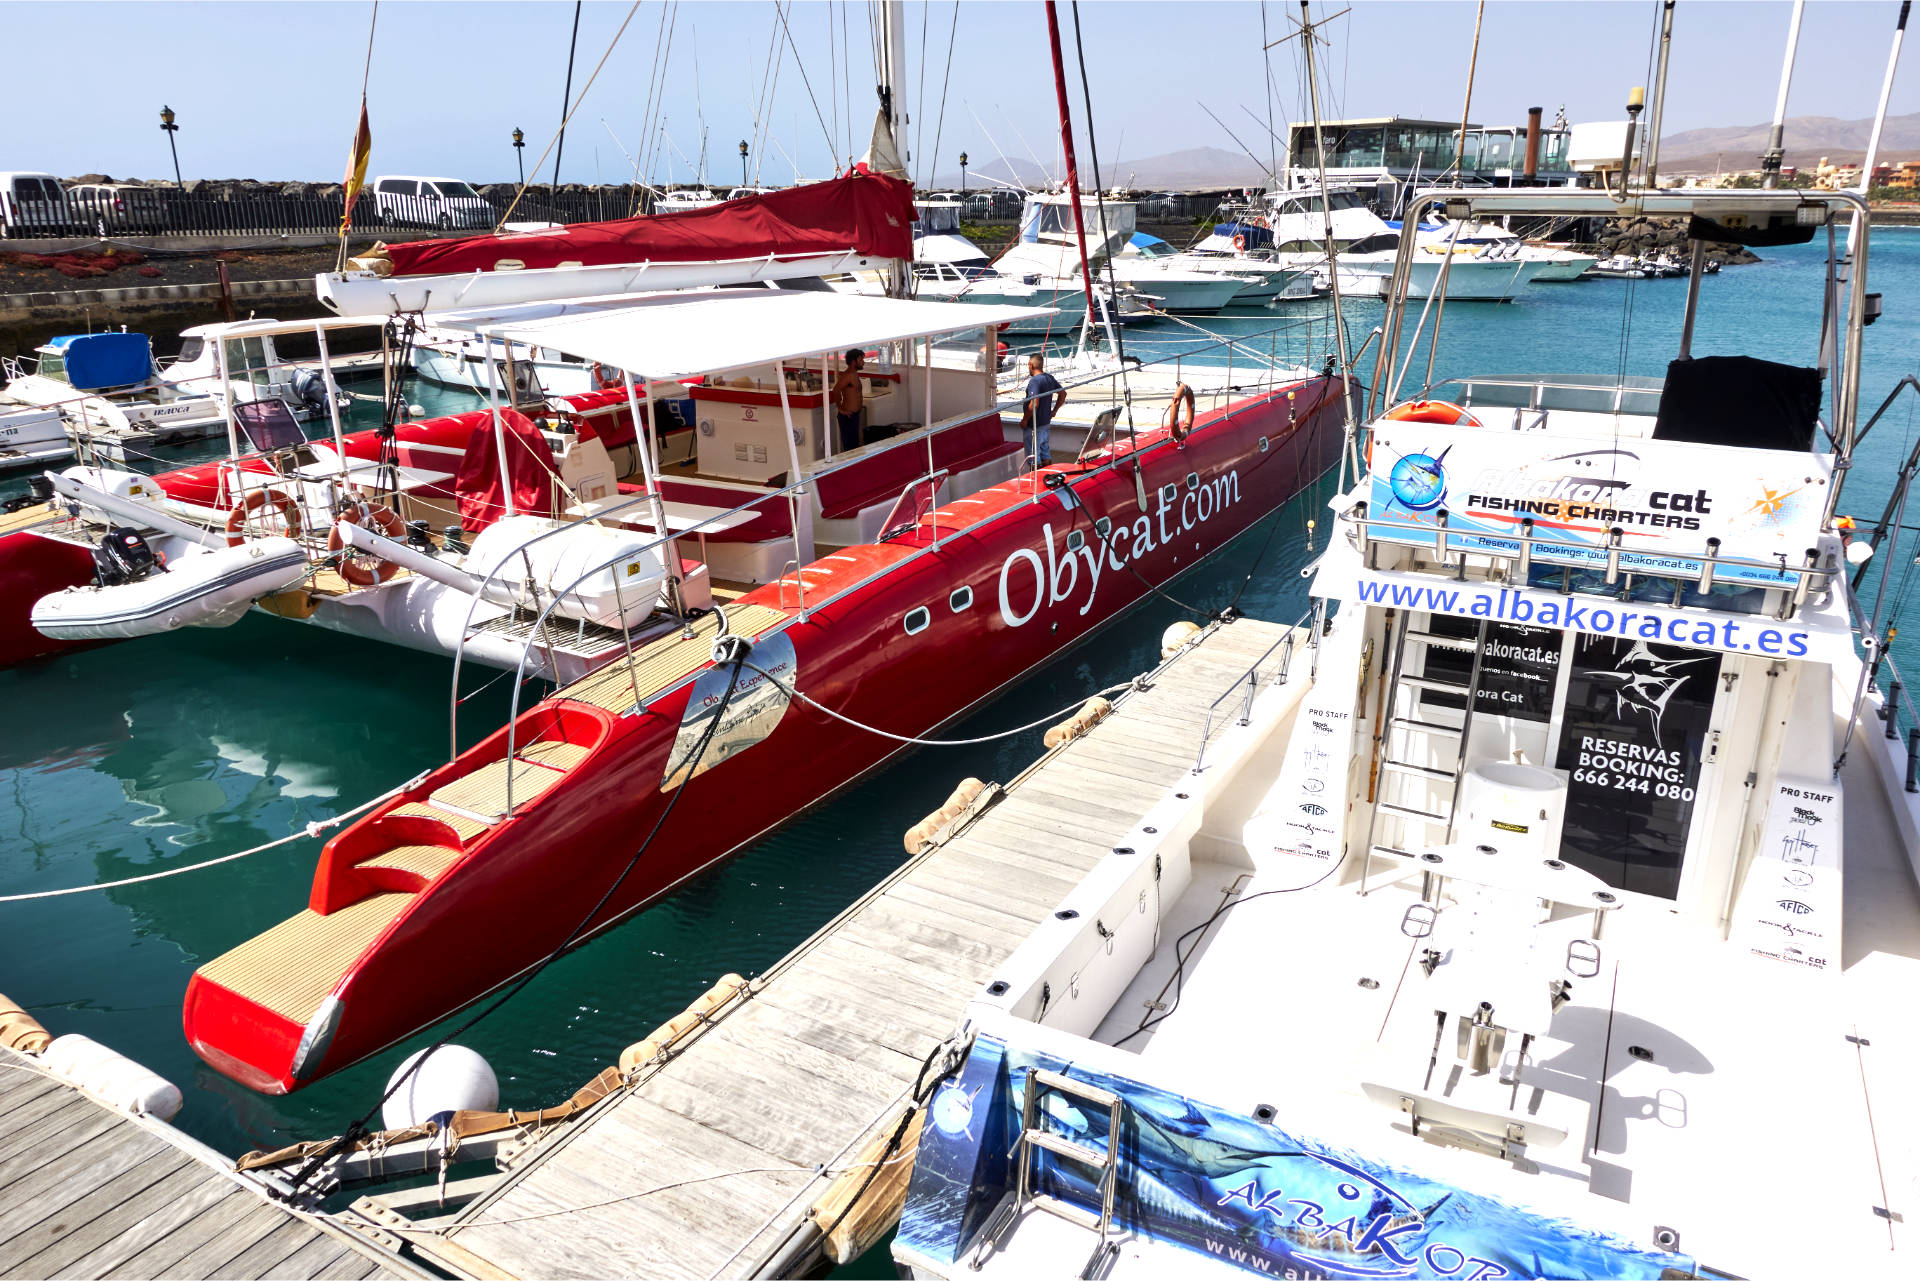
(311,387)
(123,556)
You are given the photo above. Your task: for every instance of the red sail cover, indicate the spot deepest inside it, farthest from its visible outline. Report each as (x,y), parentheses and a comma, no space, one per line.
(530,470)
(864,213)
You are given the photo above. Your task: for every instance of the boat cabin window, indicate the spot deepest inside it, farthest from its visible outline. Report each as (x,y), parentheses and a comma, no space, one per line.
(1313,202)
(53,364)
(191,349)
(916,620)
(936,220)
(961,599)
(1372,244)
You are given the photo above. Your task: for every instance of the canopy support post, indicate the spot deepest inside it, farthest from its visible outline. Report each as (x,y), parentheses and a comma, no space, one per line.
(650,477)
(499,432)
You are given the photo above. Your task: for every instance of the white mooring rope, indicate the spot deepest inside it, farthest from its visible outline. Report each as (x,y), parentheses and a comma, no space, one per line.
(313,829)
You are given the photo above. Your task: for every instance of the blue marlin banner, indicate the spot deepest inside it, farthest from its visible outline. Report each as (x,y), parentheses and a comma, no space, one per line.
(1667,499)
(1225,1185)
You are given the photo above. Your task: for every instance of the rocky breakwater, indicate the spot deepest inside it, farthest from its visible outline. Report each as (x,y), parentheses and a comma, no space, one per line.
(1645,236)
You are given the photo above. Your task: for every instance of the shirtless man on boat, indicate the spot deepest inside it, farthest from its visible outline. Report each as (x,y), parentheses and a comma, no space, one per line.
(849,398)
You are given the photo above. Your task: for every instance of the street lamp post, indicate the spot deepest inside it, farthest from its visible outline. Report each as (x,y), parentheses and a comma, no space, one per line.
(166,123)
(963,173)
(743,162)
(520,154)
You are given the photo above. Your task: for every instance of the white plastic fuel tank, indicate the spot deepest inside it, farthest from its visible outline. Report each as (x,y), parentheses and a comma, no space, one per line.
(624,585)
(111,1076)
(1517,809)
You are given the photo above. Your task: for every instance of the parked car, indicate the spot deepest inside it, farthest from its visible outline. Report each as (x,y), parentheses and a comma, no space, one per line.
(445,203)
(33,204)
(118,208)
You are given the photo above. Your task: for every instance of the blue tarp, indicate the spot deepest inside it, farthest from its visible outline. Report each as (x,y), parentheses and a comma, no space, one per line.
(1141,240)
(106,360)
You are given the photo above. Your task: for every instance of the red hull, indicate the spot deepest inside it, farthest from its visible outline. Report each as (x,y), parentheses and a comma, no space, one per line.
(519,888)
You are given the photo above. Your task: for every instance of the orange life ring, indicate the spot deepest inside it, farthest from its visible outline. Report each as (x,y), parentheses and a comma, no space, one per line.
(1182,395)
(604,381)
(1442,412)
(351,570)
(237,518)
(1240,241)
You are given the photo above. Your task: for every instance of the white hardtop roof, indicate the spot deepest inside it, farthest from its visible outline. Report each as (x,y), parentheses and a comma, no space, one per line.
(670,336)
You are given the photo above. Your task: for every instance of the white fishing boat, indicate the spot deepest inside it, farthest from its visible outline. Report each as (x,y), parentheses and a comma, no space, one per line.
(454,359)
(1292,229)
(259,372)
(1261,283)
(1046,252)
(1543,906)
(31,436)
(111,399)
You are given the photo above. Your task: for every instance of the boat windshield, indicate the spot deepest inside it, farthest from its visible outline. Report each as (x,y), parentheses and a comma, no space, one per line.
(1312,202)
(53,364)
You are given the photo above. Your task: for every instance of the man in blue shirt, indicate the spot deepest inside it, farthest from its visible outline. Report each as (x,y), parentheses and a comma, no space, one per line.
(1044,397)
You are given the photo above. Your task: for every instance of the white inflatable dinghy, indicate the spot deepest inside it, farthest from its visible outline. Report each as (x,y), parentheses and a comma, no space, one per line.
(203,589)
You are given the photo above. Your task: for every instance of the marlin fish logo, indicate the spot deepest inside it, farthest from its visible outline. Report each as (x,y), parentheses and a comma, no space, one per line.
(1418,481)
(1645,683)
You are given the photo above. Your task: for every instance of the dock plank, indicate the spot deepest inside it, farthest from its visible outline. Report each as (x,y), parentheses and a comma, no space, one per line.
(86,1191)
(708,1162)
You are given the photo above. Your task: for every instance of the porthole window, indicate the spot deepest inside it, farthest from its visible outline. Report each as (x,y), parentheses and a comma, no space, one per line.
(1103,527)
(1168,493)
(1075,540)
(1263,444)
(1193,480)
(962,598)
(917,620)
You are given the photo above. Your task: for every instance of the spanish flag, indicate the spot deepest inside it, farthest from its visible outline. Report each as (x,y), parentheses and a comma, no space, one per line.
(357,166)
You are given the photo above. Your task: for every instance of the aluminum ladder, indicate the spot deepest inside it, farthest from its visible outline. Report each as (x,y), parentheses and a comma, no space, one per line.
(1401,732)
(1036,1137)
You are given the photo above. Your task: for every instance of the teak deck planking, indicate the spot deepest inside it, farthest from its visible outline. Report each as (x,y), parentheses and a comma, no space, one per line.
(86,1191)
(707,1166)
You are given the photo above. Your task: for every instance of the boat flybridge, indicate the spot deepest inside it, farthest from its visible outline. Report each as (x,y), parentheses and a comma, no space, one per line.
(1549,908)
(1046,251)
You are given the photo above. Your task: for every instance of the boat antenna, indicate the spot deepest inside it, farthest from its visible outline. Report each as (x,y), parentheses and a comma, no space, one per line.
(566,95)
(1308,37)
(1776,141)
(1466,110)
(1650,153)
(1880,115)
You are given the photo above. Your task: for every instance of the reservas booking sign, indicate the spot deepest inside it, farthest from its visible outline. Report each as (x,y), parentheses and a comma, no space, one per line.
(1667,498)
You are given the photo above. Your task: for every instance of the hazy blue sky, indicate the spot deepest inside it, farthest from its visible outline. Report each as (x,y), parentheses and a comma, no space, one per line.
(270,90)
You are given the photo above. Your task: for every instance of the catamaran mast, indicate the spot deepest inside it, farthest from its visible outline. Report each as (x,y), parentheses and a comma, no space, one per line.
(893,111)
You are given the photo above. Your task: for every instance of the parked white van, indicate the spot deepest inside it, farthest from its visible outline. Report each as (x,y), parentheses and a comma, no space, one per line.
(33,204)
(445,203)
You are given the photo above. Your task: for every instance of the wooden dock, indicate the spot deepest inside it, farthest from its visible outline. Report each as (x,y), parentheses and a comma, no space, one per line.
(87,1191)
(710,1162)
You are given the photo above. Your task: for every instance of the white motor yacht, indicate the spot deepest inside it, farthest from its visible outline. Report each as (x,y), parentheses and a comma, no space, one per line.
(1263,282)
(1293,223)
(1543,905)
(111,400)
(1046,251)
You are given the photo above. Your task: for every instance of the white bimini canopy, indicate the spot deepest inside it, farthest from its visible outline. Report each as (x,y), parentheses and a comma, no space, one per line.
(665,337)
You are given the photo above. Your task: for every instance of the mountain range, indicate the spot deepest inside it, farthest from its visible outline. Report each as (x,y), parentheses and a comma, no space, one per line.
(1731,147)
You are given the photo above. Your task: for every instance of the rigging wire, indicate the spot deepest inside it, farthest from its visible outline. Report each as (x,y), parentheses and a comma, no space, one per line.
(611,45)
(358,1129)
(801,63)
(566,95)
(946,79)
(920,106)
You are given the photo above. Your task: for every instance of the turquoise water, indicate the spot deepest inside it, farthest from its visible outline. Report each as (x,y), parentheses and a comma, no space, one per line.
(177,749)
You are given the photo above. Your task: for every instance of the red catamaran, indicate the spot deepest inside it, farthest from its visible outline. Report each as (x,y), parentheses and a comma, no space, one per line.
(928,571)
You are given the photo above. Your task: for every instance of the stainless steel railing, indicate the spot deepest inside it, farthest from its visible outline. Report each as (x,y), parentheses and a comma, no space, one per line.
(1247,684)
